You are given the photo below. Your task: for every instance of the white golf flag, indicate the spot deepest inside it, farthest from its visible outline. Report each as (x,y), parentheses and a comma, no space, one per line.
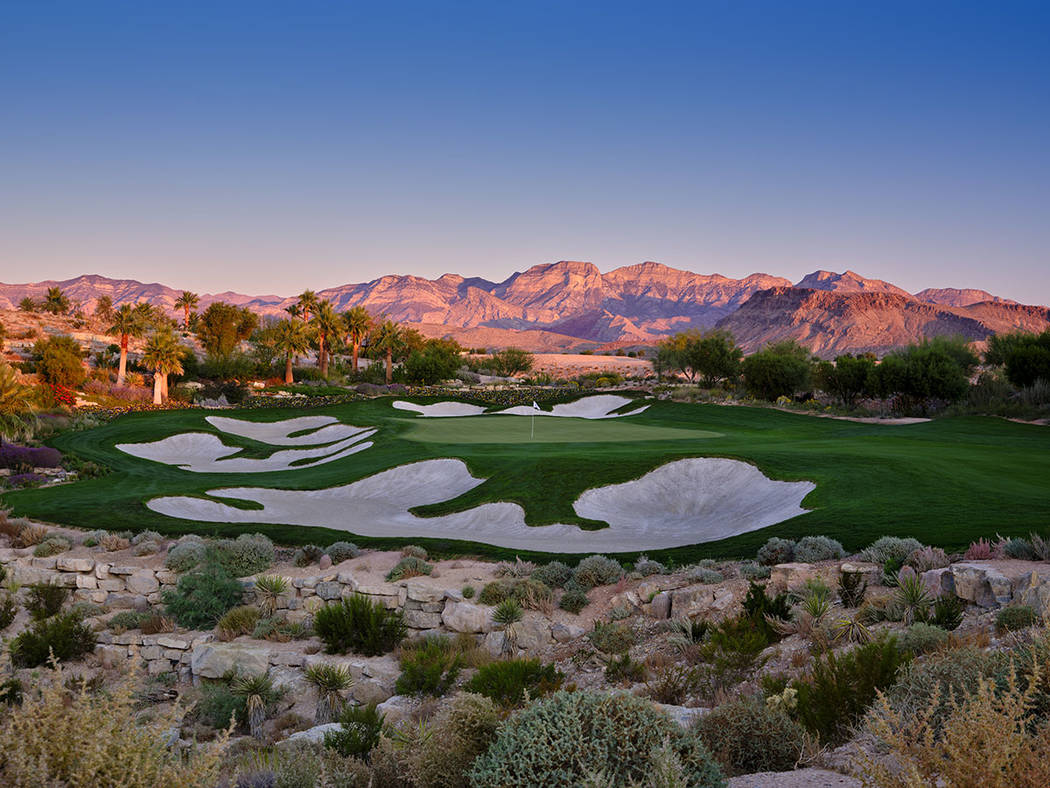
(535,406)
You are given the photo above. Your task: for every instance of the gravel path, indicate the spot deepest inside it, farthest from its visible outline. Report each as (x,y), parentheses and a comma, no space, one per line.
(803,778)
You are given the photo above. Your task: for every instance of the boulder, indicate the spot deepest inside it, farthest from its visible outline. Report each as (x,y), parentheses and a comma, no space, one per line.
(70,564)
(398,709)
(328,590)
(660,607)
(939,582)
(314,735)
(214,660)
(563,633)
(1033,589)
(142,583)
(465,617)
(371,691)
(530,634)
(981,584)
(325,562)
(785,576)
(420,619)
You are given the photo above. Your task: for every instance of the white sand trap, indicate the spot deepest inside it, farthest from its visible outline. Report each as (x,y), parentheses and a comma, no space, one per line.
(599,406)
(277,433)
(681,503)
(440,409)
(202,452)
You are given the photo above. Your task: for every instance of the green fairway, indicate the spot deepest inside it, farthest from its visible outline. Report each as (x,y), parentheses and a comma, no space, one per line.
(945,482)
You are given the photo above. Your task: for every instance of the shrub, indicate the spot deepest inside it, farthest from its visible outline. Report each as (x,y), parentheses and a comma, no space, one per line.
(468,592)
(646,567)
(704,575)
(623,668)
(246,555)
(342,551)
(146,536)
(358,624)
(1015,617)
(409,566)
(749,570)
(526,591)
(359,732)
(926,558)
(147,548)
(44,600)
(30,534)
(911,598)
(517,569)
(852,587)
(507,612)
(127,619)
(259,697)
(460,732)
(428,667)
(113,542)
(890,548)
(570,736)
(218,706)
(763,611)
(573,601)
(981,550)
(8,609)
(675,683)
(100,739)
(307,555)
(1020,549)
(840,688)
(64,636)
(507,681)
(921,638)
(747,736)
(596,570)
(329,681)
(553,575)
(947,612)
(13,457)
(776,551)
(414,551)
(811,549)
(200,598)
(184,556)
(611,638)
(238,621)
(53,545)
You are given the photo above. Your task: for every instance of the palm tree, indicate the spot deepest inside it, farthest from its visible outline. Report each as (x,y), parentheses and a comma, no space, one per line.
(146,314)
(358,324)
(291,339)
(187,302)
(389,338)
(329,681)
(55,301)
(328,325)
(104,308)
(126,324)
(16,409)
(308,304)
(164,356)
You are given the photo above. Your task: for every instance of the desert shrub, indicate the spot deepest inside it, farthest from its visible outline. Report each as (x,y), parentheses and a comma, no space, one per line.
(246,555)
(921,638)
(730,652)
(912,599)
(852,587)
(468,592)
(1020,549)
(525,591)
(518,568)
(1015,617)
(839,689)
(811,549)
(358,624)
(342,551)
(623,668)
(573,601)
(506,681)
(646,566)
(329,681)
(113,542)
(146,548)
(86,609)
(982,550)
(507,612)
(704,575)
(428,667)
(64,636)
(12,692)
(611,638)
(99,739)
(674,683)
(890,548)
(460,732)
(288,767)
(359,732)
(91,538)
(127,619)
(44,600)
(763,611)
(553,575)
(947,612)
(13,456)
(926,558)
(146,536)
(746,736)
(53,545)
(218,706)
(30,534)
(184,556)
(8,609)
(409,566)
(749,570)
(776,551)
(307,555)
(154,623)
(570,736)
(200,598)
(596,570)
(238,621)
(259,698)
(268,590)
(414,551)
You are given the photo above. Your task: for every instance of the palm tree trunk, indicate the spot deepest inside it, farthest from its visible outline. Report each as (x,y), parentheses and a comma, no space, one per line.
(288,370)
(389,366)
(323,357)
(186,323)
(164,387)
(123,368)
(353,355)
(156,389)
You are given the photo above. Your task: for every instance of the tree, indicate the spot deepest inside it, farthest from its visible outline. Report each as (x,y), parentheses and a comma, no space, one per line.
(126,324)
(307,304)
(55,302)
(163,355)
(328,325)
(104,308)
(221,327)
(59,360)
(27,304)
(389,340)
(779,369)
(512,361)
(358,325)
(713,355)
(187,302)
(1025,356)
(847,378)
(937,369)
(16,410)
(291,338)
(437,361)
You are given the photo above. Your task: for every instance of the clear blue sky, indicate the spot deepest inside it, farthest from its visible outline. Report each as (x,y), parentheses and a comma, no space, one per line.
(269,147)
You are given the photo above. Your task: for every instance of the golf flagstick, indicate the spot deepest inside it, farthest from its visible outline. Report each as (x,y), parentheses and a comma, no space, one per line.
(532,432)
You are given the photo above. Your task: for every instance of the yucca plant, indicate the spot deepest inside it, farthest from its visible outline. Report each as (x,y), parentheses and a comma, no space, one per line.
(258,692)
(507,612)
(269,588)
(852,630)
(687,632)
(912,598)
(328,680)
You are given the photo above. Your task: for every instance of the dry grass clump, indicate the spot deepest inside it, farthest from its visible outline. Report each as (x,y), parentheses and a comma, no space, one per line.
(113,542)
(30,535)
(58,737)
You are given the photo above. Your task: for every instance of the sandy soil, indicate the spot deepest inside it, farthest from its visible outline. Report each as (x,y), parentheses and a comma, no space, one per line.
(803,778)
(859,419)
(570,364)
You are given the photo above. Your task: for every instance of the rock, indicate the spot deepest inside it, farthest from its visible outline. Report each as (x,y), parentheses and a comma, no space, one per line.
(420,619)
(981,584)
(627,600)
(214,660)
(495,643)
(371,691)
(872,572)
(325,562)
(142,583)
(800,778)
(111,656)
(465,617)
(314,735)
(290,680)
(328,590)
(150,652)
(70,564)
(530,634)
(172,641)
(939,582)
(83,581)
(563,633)
(157,666)
(398,708)
(787,576)
(685,716)
(421,592)
(1033,589)
(44,563)
(123,570)
(660,607)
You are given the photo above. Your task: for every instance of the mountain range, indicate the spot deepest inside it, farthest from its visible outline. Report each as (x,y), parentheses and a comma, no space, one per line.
(566,305)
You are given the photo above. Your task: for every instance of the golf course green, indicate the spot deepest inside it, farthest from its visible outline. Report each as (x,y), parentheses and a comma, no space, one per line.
(945,482)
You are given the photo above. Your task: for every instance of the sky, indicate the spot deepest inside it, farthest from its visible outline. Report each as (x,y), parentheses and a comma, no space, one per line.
(267,147)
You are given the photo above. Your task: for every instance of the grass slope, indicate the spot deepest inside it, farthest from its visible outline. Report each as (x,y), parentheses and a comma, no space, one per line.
(945,482)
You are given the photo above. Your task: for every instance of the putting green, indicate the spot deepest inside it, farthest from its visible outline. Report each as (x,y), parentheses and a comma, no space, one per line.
(544,429)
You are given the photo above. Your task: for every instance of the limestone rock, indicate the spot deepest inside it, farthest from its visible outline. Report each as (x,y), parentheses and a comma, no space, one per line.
(530,634)
(70,564)
(214,660)
(465,617)
(328,590)
(1033,589)
(314,735)
(563,633)
(142,583)
(981,584)
(398,708)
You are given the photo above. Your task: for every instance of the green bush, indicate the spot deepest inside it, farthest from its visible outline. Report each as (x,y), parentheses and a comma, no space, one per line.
(217,705)
(623,668)
(1020,549)
(507,612)
(44,600)
(240,620)
(409,566)
(947,612)
(342,551)
(127,619)
(747,736)
(811,549)
(428,667)
(596,570)
(248,554)
(53,545)
(307,555)
(64,636)
(468,592)
(763,610)
(185,555)
(553,575)
(611,638)
(841,688)
(358,624)
(523,590)
(921,638)
(776,551)
(749,570)
(1015,617)
(506,681)
(646,567)
(571,736)
(460,732)
(573,601)
(359,732)
(8,609)
(890,548)
(414,551)
(200,598)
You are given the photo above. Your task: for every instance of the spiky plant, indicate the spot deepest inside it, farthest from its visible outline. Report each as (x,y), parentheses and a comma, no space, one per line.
(852,630)
(258,692)
(328,680)
(507,612)
(269,588)
(912,598)
(688,632)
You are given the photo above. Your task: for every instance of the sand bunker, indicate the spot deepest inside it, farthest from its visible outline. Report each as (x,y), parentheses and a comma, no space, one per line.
(280,433)
(599,406)
(681,503)
(202,452)
(440,409)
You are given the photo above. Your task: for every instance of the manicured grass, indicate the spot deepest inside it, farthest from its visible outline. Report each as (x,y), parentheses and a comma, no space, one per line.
(945,482)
